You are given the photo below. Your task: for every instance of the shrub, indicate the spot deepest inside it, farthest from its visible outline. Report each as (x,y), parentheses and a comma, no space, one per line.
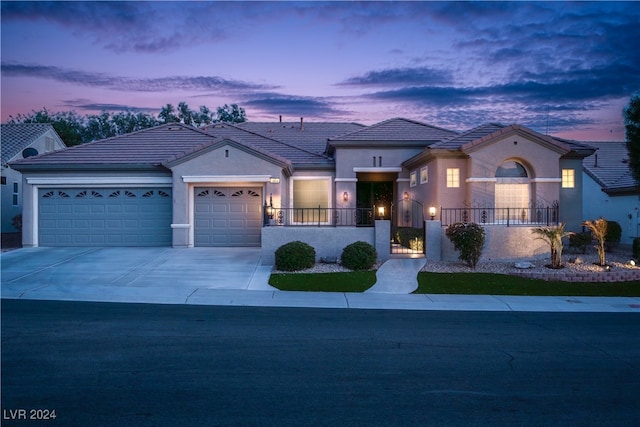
(580,241)
(613,236)
(16,221)
(294,256)
(412,238)
(468,239)
(636,248)
(359,256)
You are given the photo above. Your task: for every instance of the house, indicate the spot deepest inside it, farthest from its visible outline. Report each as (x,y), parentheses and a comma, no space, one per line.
(264,184)
(609,190)
(20,141)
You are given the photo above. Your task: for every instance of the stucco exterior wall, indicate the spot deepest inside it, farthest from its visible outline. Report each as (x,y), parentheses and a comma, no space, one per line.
(226,160)
(625,210)
(348,158)
(327,241)
(570,199)
(501,243)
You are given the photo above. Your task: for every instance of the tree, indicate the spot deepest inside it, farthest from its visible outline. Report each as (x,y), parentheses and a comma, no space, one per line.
(167,114)
(67,124)
(632,127)
(231,114)
(599,231)
(553,236)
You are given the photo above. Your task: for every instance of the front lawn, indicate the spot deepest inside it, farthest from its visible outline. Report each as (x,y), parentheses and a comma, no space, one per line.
(503,284)
(453,283)
(356,281)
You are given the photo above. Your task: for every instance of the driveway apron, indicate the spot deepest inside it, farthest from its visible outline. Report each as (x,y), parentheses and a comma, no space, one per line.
(168,270)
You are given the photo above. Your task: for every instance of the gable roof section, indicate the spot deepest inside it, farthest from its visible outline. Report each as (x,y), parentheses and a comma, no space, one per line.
(480,137)
(609,167)
(144,149)
(310,136)
(394,131)
(282,149)
(17,137)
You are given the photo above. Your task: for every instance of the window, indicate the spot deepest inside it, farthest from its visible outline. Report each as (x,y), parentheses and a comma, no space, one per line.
(308,195)
(16,192)
(568,178)
(424,175)
(453,177)
(413,178)
(4,180)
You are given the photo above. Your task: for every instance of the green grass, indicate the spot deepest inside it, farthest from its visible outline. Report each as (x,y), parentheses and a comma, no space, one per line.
(503,284)
(453,283)
(356,281)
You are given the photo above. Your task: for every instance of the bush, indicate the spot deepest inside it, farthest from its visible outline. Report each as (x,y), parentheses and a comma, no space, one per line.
(636,248)
(412,238)
(580,241)
(359,256)
(468,239)
(16,221)
(613,236)
(294,256)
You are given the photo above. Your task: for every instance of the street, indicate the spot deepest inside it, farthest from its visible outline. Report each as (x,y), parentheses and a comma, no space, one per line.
(106,364)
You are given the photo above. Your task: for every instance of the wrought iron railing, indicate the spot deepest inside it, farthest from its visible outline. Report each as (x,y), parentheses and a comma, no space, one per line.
(320,217)
(501,216)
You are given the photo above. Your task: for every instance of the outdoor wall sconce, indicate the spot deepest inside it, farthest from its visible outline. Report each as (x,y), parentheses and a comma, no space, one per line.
(274,180)
(270,210)
(345,197)
(406,195)
(381,211)
(432,212)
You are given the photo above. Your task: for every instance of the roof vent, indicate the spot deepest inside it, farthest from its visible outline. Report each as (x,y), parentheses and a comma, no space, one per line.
(29,152)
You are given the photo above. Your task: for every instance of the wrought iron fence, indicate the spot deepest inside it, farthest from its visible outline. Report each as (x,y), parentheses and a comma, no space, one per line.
(501,216)
(320,217)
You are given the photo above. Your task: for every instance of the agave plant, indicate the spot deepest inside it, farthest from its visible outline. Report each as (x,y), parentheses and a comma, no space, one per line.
(553,236)
(599,231)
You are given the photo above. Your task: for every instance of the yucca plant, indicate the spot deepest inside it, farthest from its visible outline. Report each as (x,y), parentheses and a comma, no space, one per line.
(553,236)
(598,230)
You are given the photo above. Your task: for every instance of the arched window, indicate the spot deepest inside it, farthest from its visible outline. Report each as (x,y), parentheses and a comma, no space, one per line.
(512,197)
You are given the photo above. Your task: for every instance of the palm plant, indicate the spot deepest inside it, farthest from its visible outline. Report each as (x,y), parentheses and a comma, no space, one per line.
(553,236)
(599,231)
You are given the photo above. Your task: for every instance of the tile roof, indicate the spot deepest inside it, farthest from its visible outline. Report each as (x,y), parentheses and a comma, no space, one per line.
(16,137)
(397,129)
(147,147)
(311,136)
(294,146)
(609,166)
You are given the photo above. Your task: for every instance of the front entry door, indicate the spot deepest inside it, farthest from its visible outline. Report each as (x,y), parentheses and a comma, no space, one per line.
(378,194)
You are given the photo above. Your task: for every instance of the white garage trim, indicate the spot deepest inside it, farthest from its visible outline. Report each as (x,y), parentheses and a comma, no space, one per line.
(133,181)
(226,178)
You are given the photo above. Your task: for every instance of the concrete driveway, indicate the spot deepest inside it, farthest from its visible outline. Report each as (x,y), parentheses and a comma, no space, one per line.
(95,273)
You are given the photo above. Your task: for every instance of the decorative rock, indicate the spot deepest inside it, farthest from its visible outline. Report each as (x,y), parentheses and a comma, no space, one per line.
(523,265)
(329,260)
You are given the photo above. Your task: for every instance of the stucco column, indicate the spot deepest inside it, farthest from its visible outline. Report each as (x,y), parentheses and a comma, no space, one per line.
(383,238)
(432,240)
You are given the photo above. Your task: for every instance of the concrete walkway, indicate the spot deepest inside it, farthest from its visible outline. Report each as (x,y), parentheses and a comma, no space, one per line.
(397,276)
(234,276)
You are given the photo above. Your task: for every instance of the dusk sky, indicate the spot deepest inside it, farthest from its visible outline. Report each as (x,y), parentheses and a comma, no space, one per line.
(565,68)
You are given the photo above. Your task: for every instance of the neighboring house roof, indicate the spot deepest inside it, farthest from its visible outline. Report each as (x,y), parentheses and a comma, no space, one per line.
(394,131)
(17,137)
(311,136)
(609,167)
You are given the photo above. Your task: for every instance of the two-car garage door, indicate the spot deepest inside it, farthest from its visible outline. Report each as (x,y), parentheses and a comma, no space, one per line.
(104,217)
(224,216)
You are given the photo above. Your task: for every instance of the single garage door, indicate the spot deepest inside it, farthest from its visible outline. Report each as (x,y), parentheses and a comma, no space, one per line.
(228,216)
(105,217)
